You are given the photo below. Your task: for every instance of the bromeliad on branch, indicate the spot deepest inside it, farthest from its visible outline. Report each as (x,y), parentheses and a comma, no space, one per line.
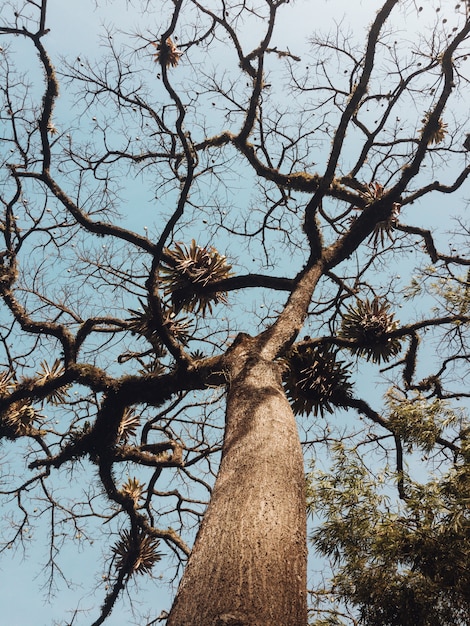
(369,324)
(186,270)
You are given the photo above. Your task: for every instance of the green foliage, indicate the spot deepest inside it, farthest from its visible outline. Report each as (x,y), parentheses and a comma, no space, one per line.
(455,293)
(398,564)
(417,420)
(451,292)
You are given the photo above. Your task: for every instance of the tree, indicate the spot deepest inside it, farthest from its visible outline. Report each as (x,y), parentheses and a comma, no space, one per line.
(398,565)
(290,215)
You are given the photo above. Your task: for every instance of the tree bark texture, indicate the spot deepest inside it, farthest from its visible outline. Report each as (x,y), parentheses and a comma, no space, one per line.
(248,564)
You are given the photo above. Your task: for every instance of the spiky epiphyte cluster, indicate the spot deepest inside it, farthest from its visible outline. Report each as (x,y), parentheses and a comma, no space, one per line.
(129,424)
(21,417)
(384,229)
(316,380)
(6,383)
(133,488)
(79,431)
(167,53)
(188,273)
(47,373)
(374,192)
(143,323)
(179,328)
(18,420)
(439,129)
(368,324)
(136,553)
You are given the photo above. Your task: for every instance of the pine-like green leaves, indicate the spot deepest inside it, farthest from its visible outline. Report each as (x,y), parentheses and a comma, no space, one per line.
(403,564)
(418,420)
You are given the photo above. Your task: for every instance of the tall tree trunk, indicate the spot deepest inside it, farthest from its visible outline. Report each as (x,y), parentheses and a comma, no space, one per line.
(248,564)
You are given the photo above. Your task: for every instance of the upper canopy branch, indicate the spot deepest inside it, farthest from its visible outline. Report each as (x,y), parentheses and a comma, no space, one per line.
(432,120)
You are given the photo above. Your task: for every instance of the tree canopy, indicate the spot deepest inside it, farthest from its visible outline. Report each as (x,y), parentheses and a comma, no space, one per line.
(207,213)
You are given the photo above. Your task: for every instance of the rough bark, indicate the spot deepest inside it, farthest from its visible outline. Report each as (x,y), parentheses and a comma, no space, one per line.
(248,564)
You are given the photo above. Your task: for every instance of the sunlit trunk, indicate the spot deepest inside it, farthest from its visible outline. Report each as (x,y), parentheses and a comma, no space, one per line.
(248,565)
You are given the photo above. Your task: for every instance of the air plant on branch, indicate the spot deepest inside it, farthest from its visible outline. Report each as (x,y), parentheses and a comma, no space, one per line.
(19,420)
(374,191)
(179,328)
(129,424)
(187,274)
(6,382)
(136,553)
(439,130)
(21,417)
(167,53)
(133,488)
(368,324)
(143,323)
(46,373)
(384,229)
(52,129)
(315,380)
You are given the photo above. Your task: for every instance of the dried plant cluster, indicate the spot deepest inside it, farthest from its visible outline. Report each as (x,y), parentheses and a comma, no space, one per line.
(384,229)
(22,417)
(47,373)
(438,131)
(167,53)
(316,380)
(136,552)
(133,488)
(146,323)
(369,324)
(186,277)
(20,420)
(129,425)
(189,272)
